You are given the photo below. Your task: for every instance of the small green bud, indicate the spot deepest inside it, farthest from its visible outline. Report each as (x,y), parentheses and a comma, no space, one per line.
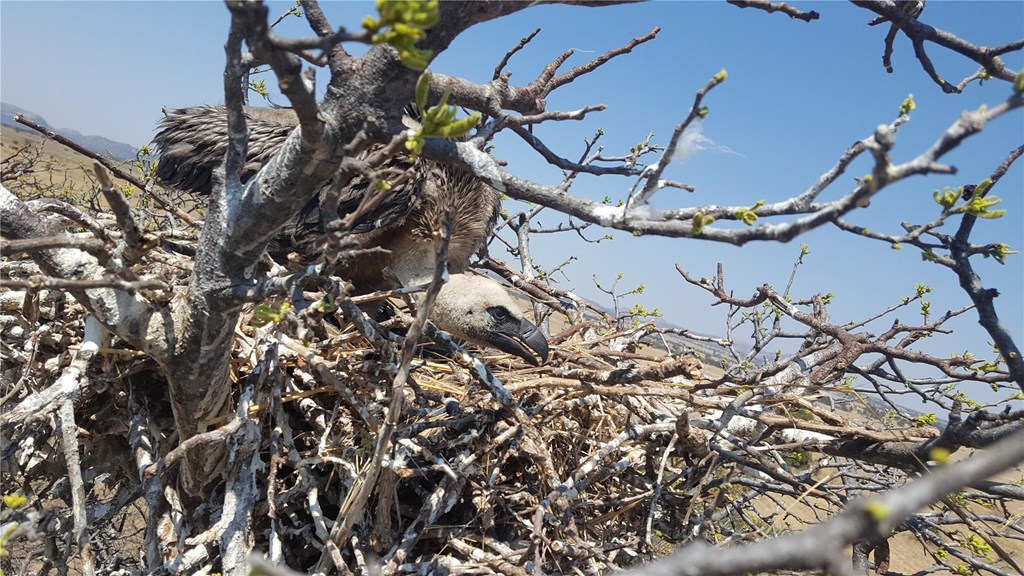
(876,510)
(947,198)
(700,221)
(14,500)
(721,76)
(938,454)
(748,215)
(907,105)
(414,145)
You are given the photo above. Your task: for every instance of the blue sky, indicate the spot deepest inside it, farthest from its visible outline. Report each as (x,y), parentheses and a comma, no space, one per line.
(797,96)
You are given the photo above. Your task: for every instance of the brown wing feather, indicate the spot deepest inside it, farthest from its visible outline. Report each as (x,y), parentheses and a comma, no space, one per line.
(192,143)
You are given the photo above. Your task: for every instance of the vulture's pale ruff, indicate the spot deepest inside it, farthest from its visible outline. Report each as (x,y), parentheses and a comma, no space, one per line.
(192,142)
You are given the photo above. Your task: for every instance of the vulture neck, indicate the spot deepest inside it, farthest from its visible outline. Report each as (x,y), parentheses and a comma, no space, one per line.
(413,267)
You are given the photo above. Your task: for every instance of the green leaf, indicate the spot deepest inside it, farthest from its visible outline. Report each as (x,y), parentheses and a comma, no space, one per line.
(925,420)
(265,314)
(423,89)
(980,206)
(402,23)
(982,188)
(458,128)
(978,545)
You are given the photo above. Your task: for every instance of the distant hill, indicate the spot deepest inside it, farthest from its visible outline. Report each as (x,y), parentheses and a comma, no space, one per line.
(97,144)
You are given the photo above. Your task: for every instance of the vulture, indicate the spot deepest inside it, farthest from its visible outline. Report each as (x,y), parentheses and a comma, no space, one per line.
(192,142)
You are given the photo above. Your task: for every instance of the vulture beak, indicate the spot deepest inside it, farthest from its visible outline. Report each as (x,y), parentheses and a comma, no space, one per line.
(519,337)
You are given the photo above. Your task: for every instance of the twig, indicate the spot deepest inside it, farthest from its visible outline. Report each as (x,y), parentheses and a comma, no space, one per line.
(137,240)
(36,283)
(769,6)
(94,246)
(243,461)
(508,55)
(72,380)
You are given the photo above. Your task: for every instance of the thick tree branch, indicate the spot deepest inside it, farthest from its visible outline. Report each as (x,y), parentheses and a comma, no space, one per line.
(679,222)
(919,33)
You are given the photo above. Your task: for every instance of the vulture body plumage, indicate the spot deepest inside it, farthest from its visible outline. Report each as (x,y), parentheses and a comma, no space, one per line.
(192,143)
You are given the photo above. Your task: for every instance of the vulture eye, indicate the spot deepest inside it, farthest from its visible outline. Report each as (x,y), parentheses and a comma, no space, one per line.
(499,313)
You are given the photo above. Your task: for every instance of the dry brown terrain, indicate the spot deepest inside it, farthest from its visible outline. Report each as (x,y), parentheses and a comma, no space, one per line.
(55,170)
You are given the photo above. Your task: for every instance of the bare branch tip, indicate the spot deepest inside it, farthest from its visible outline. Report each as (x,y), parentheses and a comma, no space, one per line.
(102,175)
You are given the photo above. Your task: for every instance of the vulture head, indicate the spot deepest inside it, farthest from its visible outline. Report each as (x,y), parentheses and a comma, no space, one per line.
(479,310)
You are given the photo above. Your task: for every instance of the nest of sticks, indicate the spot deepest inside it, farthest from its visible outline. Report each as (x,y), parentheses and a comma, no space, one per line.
(492,466)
